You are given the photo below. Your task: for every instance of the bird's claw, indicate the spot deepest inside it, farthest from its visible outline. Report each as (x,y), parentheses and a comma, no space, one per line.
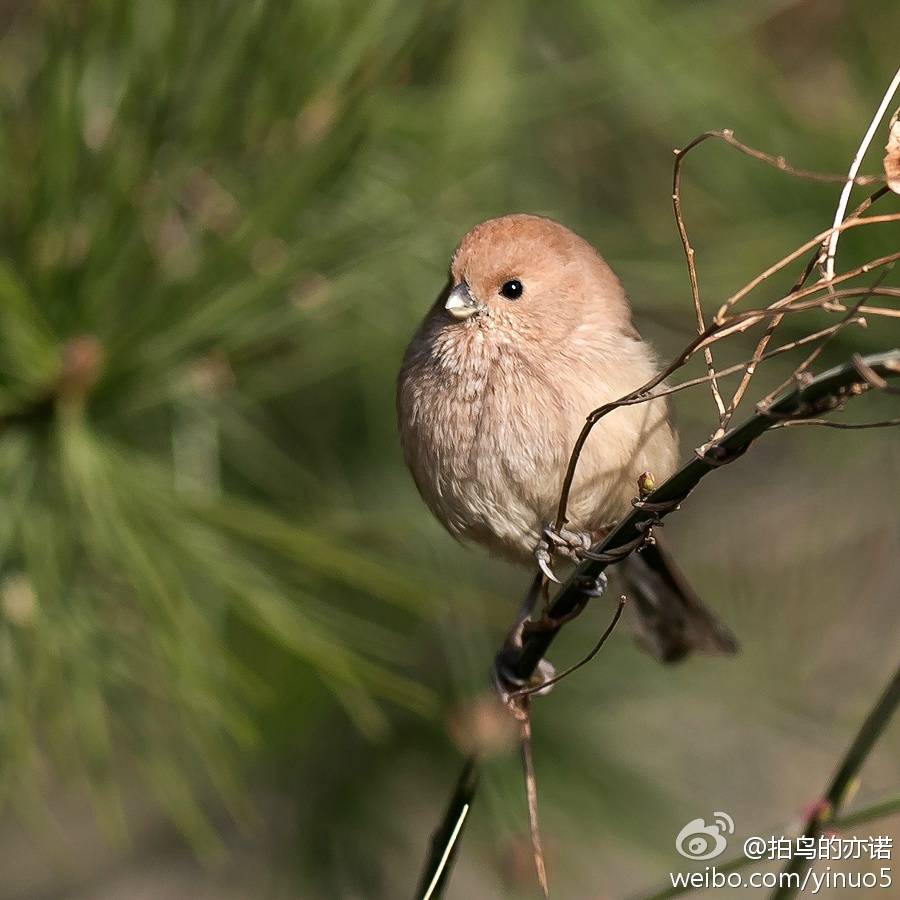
(567,542)
(564,542)
(543,557)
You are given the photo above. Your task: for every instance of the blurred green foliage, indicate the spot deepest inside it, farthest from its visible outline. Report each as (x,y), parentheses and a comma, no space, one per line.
(221,597)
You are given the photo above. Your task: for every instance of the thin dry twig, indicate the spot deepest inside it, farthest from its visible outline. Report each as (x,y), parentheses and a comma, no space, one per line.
(717,330)
(737,367)
(680,156)
(754,283)
(537,845)
(779,162)
(737,323)
(851,175)
(850,316)
(822,285)
(750,369)
(556,679)
(878,291)
(880,311)
(872,378)
(841,426)
(759,354)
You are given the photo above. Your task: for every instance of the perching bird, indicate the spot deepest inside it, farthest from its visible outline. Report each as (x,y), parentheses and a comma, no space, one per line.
(531,333)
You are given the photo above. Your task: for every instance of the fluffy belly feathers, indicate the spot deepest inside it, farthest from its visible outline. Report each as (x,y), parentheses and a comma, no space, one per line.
(489,455)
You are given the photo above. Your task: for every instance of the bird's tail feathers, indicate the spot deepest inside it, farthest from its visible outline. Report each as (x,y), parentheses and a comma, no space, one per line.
(671,620)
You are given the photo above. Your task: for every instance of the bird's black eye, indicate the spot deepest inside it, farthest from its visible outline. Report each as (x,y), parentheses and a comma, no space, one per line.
(512,290)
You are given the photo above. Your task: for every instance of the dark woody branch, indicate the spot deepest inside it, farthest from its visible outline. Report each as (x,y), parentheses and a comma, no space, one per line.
(517,661)
(820,394)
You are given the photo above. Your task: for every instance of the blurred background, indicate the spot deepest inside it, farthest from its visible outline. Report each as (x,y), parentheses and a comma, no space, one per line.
(235,649)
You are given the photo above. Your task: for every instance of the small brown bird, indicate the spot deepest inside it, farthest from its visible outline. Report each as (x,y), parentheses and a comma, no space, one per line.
(531,333)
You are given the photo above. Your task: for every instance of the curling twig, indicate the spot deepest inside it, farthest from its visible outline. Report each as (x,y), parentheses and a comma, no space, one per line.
(556,679)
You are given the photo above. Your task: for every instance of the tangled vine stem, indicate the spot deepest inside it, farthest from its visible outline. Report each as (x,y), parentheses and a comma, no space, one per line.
(825,392)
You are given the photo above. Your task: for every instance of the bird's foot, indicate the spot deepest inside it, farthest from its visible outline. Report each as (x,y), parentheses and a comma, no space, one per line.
(594,587)
(508,684)
(568,542)
(589,588)
(561,542)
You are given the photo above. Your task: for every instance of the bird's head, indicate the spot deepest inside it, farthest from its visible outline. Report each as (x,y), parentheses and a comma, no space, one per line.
(524,272)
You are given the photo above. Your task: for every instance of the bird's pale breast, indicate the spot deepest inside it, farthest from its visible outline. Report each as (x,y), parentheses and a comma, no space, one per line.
(487,428)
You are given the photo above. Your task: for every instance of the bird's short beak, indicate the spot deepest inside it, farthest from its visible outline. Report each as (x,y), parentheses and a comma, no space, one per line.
(460,303)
